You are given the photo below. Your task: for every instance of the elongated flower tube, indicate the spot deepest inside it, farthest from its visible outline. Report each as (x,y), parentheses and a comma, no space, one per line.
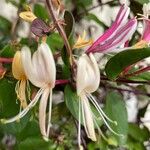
(19,73)
(88,79)
(41,71)
(120,32)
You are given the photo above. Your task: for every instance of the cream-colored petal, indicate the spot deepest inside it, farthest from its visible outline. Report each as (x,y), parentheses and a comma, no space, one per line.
(17,67)
(29,67)
(49,64)
(42,112)
(88,74)
(87,118)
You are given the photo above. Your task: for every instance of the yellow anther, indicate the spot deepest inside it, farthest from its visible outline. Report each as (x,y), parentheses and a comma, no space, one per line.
(82,42)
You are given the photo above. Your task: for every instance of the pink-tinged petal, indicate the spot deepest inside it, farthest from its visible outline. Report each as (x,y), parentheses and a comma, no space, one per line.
(146,31)
(121,36)
(121,19)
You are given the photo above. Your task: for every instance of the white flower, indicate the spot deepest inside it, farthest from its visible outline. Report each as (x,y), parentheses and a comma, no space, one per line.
(41,71)
(88,79)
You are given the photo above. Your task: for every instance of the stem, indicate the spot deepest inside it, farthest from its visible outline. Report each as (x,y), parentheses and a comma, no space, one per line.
(61,82)
(123,80)
(6,60)
(130,91)
(60,30)
(138,72)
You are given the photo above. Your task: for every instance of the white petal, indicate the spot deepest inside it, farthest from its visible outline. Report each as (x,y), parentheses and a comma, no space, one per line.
(88,75)
(42,112)
(29,67)
(49,63)
(88,118)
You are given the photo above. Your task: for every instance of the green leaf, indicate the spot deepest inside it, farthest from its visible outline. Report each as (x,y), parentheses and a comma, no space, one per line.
(145,76)
(8,106)
(41,12)
(7,51)
(142,1)
(34,143)
(14,127)
(72,101)
(69,20)
(137,133)
(116,110)
(120,61)
(5,25)
(55,42)
(69,28)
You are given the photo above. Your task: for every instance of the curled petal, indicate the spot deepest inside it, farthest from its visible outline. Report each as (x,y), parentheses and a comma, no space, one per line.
(87,118)
(17,67)
(42,112)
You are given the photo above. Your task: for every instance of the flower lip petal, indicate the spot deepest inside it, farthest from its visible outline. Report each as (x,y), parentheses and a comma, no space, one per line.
(121,19)
(121,36)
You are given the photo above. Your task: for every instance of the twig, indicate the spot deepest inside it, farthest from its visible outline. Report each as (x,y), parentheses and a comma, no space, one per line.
(129,91)
(6,60)
(60,30)
(123,80)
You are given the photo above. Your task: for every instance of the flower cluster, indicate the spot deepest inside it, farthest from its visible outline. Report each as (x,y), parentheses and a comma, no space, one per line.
(40,70)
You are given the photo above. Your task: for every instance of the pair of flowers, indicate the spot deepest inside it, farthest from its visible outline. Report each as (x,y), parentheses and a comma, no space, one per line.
(40,69)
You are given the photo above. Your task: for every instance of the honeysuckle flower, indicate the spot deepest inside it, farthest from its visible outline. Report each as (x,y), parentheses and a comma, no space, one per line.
(87,82)
(19,74)
(41,71)
(82,42)
(120,32)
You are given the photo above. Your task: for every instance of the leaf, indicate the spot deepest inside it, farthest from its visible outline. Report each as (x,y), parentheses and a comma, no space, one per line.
(69,28)
(8,106)
(5,25)
(142,1)
(69,20)
(34,143)
(116,110)
(7,51)
(55,42)
(41,12)
(14,127)
(72,101)
(137,133)
(120,61)
(145,76)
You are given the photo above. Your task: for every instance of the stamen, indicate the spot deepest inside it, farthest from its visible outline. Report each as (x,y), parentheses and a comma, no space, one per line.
(49,113)
(79,125)
(25,111)
(102,114)
(99,130)
(99,108)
